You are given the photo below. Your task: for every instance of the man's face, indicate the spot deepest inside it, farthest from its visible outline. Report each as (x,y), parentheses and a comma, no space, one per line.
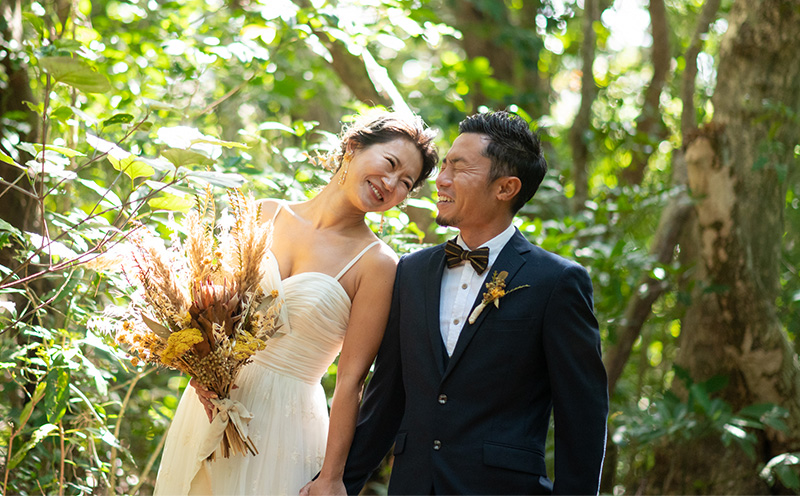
(466,199)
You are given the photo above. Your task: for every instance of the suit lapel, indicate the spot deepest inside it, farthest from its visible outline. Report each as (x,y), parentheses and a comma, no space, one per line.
(510,260)
(433,290)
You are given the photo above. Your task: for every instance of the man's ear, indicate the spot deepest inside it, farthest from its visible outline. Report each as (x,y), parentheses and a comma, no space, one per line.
(508,187)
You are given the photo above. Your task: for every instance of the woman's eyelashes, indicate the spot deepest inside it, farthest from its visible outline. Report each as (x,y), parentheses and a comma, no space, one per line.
(393,164)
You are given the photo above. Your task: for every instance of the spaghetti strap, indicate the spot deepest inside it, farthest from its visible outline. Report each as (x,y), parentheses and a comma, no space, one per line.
(277,210)
(355,259)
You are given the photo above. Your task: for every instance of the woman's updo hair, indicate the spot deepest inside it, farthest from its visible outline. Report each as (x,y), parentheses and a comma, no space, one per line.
(384,126)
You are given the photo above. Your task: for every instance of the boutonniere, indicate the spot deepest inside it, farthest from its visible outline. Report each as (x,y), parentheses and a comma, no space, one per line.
(495,289)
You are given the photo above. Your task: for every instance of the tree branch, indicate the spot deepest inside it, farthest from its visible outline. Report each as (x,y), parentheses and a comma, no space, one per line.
(578,136)
(688,117)
(649,127)
(670,228)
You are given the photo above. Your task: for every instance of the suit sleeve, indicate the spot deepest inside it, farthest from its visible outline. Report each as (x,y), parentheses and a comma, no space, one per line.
(578,383)
(384,401)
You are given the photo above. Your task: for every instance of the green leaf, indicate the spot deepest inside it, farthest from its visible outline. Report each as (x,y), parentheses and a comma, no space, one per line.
(62,113)
(421,203)
(158,104)
(216,178)
(99,381)
(716,383)
(118,119)
(35,107)
(226,144)
(270,125)
(788,477)
(36,438)
(132,167)
(75,72)
(108,196)
(5,226)
(180,157)
(38,393)
(63,150)
(55,400)
(171,202)
(5,158)
(701,398)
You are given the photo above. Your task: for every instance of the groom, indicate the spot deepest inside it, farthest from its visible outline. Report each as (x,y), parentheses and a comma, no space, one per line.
(466,395)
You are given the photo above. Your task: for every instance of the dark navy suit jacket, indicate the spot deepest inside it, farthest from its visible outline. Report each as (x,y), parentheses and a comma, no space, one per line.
(477,423)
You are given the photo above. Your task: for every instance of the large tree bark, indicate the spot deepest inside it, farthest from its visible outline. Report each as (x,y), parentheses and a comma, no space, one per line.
(731,327)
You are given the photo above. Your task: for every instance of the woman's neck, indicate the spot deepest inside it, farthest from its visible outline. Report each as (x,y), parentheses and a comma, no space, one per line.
(331,209)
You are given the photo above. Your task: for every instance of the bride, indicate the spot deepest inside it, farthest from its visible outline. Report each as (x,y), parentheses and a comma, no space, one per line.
(335,279)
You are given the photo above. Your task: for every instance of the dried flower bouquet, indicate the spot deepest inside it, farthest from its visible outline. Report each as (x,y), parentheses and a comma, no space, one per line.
(202,308)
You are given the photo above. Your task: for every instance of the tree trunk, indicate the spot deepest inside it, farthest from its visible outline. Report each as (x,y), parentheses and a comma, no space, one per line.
(650,129)
(731,328)
(487,29)
(579,135)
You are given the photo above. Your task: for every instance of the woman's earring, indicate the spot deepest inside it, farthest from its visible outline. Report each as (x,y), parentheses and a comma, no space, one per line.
(345,162)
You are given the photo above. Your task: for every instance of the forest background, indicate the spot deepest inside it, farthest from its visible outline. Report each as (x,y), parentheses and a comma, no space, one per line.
(671,134)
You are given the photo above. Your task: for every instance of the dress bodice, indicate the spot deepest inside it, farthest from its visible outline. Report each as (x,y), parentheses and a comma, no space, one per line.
(315,311)
(314,315)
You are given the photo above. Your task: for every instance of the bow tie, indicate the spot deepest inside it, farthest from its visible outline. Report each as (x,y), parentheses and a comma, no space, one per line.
(455,256)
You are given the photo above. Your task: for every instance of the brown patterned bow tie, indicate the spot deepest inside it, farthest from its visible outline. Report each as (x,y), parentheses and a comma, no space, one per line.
(455,256)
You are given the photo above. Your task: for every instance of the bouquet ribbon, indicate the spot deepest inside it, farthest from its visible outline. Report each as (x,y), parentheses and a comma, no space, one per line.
(229,411)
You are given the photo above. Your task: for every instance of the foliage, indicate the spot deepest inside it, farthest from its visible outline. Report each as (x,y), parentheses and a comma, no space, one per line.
(784,467)
(700,415)
(138,104)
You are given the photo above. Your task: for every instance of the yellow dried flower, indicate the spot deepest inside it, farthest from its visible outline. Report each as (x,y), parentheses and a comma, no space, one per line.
(180,342)
(246,345)
(134,361)
(495,289)
(274,293)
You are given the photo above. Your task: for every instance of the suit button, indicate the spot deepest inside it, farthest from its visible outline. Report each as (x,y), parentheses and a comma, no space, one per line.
(442,399)
(437,445)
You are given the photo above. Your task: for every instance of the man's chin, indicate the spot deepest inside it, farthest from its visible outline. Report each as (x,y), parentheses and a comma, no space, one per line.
(444,221)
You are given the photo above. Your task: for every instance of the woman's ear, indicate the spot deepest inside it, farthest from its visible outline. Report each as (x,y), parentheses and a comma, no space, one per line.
(350,149)
(508,187)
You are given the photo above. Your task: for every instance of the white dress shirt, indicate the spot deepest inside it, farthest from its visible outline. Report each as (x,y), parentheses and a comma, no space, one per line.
(460,287)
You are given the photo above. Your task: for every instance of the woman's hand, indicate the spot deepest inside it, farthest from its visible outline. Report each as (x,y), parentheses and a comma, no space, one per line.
(324,487)
(205,396)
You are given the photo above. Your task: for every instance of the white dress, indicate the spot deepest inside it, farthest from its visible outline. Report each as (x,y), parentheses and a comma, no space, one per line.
(281,389)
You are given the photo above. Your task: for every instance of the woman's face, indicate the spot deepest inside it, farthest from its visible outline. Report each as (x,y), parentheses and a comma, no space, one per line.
(382,175)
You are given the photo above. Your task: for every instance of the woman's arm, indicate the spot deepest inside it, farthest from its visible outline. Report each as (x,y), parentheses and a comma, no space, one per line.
(368,315)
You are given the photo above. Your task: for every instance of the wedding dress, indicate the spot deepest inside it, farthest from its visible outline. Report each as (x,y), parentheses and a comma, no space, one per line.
(281,389)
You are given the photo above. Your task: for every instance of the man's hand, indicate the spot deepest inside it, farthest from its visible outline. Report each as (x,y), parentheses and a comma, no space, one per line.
(205,396)
(323,487)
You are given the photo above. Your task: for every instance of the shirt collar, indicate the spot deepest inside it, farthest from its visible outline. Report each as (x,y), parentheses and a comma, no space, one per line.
(495,244)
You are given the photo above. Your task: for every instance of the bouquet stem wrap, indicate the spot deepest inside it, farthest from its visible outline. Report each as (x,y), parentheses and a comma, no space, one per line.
(228,431)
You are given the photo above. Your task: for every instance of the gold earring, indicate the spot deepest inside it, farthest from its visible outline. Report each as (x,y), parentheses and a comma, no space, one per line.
(345,162)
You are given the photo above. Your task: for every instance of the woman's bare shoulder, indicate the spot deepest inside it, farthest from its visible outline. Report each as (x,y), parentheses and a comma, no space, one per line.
(268,207)
(380,257)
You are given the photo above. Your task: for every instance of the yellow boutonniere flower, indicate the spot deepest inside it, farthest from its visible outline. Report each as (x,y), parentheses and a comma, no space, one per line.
(495,289)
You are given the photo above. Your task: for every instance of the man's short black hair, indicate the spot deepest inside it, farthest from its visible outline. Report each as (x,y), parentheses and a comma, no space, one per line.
(513,149)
